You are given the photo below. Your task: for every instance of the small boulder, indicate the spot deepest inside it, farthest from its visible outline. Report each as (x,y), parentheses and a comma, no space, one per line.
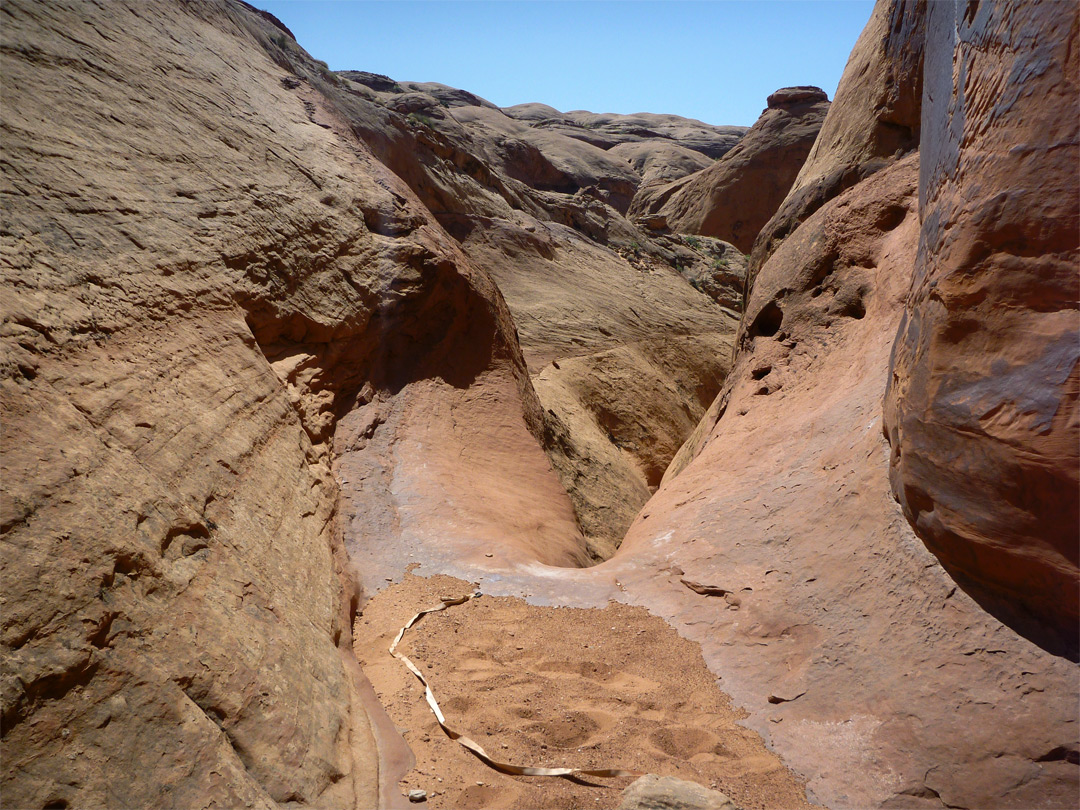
(652,792)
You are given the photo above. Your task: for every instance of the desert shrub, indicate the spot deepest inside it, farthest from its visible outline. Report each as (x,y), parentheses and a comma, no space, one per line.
(420,120)
(328,74)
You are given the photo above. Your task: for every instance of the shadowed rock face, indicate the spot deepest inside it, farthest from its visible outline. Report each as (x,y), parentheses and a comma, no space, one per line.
(982,407)
(734,198)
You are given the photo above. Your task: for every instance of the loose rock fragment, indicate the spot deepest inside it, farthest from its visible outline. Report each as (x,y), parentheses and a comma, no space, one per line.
(705,590)
(652,792)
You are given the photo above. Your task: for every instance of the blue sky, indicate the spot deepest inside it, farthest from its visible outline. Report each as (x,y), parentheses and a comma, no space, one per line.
(715,60)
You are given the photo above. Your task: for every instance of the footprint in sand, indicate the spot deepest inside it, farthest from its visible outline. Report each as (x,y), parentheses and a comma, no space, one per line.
(686,742)
(594,670)
(574,729)
(744,766)
(458,704)
(477,796)
(597,671)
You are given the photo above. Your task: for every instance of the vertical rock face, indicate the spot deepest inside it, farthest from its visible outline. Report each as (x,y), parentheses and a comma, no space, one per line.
(207,278)
(855,653)
(219,307)
(873,119)
(982,406)
(869,666)
(734,198)
(254,354)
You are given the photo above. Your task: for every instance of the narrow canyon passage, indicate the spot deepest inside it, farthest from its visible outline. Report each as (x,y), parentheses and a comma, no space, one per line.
(819,603)
(289,354)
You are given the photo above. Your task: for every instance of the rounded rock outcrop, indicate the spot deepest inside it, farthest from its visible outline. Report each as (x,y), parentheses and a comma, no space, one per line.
(790,96)
(732,199)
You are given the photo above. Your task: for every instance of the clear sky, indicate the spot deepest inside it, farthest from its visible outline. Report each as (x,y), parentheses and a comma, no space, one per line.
(715,60)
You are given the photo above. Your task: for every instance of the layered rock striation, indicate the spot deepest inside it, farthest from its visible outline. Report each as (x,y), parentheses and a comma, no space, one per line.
(205,270)
(247,369)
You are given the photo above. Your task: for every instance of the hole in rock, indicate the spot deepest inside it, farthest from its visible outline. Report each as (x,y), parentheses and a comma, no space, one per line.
(1061,754)
(768,321)
(890,217)
(854,308)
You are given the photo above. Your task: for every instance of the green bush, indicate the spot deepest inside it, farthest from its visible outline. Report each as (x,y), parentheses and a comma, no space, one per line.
(420,120)
(692,241)
(328,74)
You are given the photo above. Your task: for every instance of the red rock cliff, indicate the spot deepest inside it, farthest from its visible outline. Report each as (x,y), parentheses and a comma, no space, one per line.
(982,409)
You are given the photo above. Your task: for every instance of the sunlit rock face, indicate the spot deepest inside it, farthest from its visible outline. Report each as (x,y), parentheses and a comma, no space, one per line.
(204,269)
(736,196)
(627,328)
(272,335)
(790,495)
(874,119)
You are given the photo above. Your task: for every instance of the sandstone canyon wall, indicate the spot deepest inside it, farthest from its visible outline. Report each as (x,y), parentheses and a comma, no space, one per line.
(273,335)
(237,344)
(626,329)
(877,119)
(855,653)
(839,615)
(982,410)
(205,268)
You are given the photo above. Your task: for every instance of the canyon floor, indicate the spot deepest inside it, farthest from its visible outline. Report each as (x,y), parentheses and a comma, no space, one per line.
(591,688)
